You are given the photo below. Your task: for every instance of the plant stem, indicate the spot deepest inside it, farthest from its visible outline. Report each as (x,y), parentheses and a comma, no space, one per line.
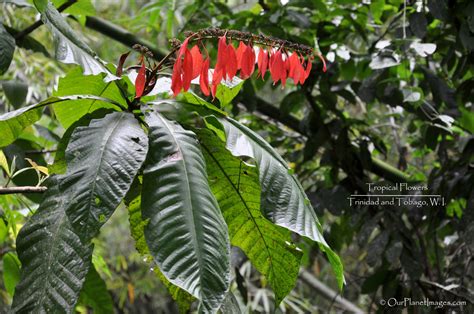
(23,189)
(19,36)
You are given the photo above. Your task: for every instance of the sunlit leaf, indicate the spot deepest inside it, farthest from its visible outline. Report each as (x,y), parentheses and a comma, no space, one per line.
(237,190)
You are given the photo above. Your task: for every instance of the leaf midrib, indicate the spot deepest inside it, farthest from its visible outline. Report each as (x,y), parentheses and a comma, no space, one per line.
(52,247)
(96,174)
(188,190)
(245,204)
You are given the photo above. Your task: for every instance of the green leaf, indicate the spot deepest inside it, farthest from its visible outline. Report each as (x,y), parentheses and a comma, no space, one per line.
(137,228)
(75,83)
(70,48)
(283,200)
(186,232)
(102,160)
(14,122)
(11,271)
(54,260)
(225,94)
(4,163)
(59,166)
(94,294)
(7,48)
(16,92)
(237,190)
(80,8)
(376,8)
(28,42)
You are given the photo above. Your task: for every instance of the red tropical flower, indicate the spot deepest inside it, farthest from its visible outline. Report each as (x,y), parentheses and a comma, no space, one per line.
(197,61)
(240,53)
(262,62)
(247,63)
(277,66)
(281,63)
(204,77)
(182,69)
(231,62)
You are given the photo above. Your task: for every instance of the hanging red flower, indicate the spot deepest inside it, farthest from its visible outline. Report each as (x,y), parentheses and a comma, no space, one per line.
(247,63)
(204,77)
(197,61)
(282,59)
(262,63)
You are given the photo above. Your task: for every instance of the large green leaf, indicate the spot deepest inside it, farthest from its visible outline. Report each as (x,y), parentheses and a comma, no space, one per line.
(283,199)
(59,166)
(75,83)
(186,232)
(137,229)
(14,122)
(102,161)
(237,190)
(54,260)
(70,48)
(94,293)
(7,48)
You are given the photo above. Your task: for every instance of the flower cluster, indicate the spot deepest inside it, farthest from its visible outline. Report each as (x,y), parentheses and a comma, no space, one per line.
(281,64)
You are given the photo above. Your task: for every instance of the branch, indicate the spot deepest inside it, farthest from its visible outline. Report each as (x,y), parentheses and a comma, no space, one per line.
(328,293)
(19,36)
(123,36)
(23,189)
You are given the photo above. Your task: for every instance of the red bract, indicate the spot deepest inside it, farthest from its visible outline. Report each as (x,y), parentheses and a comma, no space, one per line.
(281,63)
(176,80)
(182,69)
(187,69)
(231,62)
(307,71)
(204,77)
(296,68)
(240,53)
(262,63)
(140,81)
(277,67)
(324,62)
(247,63)
(197,61)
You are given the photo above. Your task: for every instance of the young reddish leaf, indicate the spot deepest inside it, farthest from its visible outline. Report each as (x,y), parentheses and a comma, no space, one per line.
(187,69)
(176,81)
(248,63)
(197,61)
(231,62)
(240,53)
(140,81)
(204,77)
(121,63)
(262,63)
